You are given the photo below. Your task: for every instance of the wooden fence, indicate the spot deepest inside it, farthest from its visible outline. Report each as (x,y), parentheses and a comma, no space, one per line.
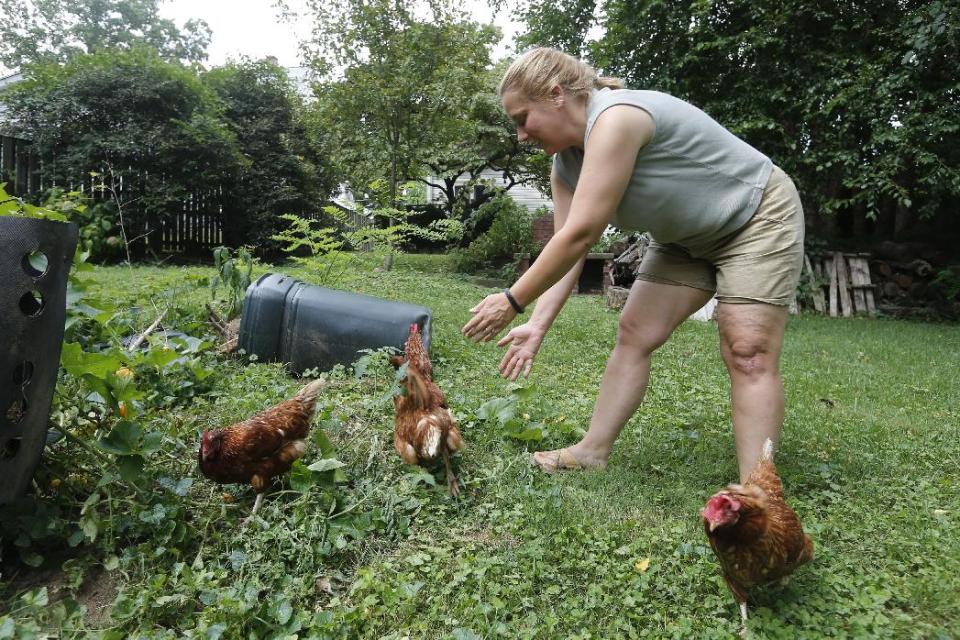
(193,228)
(18,167)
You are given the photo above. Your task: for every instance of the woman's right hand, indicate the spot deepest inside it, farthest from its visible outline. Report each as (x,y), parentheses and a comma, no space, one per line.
(524,342)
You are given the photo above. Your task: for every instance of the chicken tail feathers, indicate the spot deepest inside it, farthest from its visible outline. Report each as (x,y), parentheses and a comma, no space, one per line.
(767,453)
(308,394)
(807,553)
(764,475)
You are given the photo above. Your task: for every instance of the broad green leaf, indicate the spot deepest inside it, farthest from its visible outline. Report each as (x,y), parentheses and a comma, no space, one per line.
(322,441)
(152,441)
(131,468)
(282,612)
(499,409)
(31,558)
(326,464)
(90,526)
(301,478)
(37,598)
(78,362)
(122,439)
(160,357)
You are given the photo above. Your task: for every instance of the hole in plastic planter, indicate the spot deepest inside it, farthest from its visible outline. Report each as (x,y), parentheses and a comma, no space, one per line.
(31,303)
(35,263)
(10,449)
(23,373)
(16,411)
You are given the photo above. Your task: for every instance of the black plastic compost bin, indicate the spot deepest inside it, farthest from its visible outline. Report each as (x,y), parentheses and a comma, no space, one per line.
(306,326)
(35,259)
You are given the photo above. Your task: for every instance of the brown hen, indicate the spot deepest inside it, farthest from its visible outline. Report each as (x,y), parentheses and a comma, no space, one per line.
(262,447)
(424,428)
(416,353)
(755,535)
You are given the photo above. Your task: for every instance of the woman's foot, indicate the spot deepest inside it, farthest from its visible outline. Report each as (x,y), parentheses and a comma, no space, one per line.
(567,459)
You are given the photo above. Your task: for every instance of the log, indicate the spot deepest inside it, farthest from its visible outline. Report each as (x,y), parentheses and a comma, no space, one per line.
(617,297)
(921,268)
(883,269)
(903,280)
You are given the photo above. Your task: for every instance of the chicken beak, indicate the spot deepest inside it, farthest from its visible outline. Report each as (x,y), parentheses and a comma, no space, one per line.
(713,525)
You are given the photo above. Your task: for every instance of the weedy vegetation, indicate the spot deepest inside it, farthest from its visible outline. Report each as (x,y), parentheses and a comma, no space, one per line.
(122,537)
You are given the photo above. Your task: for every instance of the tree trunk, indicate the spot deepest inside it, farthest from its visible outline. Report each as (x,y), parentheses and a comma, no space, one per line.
(388,260)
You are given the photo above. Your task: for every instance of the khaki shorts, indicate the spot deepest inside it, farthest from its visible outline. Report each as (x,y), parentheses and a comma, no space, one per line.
(760,262)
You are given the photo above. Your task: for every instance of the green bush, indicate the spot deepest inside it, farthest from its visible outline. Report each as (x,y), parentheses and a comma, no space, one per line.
(493,251)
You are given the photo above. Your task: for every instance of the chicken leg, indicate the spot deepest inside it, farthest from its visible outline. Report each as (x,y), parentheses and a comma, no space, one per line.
(452,482)
(256,506)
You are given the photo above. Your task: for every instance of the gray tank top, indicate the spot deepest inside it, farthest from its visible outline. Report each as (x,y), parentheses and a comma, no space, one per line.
(693,183)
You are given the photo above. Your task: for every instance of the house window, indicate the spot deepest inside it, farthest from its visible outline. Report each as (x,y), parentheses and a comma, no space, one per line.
(479,191)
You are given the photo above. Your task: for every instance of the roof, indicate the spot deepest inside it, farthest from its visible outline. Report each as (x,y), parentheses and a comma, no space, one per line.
(6,81)
(16,76)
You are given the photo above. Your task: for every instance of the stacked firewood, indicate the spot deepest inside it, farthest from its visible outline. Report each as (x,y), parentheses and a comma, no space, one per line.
(896,279)
(913,279)
(623,270)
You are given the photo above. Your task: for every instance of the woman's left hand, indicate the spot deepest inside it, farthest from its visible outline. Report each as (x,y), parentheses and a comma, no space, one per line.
(489,318)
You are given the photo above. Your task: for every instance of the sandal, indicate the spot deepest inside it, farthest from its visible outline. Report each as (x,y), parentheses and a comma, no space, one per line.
(559,460)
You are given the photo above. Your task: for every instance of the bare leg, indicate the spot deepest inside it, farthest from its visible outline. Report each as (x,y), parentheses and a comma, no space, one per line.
(743,619)
(751,338)
(652,312)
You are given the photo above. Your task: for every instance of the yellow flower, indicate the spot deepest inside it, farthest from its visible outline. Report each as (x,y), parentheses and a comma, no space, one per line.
(124,372)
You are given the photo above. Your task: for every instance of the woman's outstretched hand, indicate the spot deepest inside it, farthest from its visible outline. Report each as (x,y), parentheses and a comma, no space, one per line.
(524,343)
(489,318)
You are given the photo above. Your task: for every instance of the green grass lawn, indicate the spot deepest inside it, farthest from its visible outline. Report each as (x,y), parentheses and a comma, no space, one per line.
(870,459)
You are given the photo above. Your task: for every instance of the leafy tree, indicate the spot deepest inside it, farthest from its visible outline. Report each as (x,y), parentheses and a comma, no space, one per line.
(285,173)
(53,30)
(858,101)
(483,138)
(510,232)
(129,116)
(405,82)
(562,23)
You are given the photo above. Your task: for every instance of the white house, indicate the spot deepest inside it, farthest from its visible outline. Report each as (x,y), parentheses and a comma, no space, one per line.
(528,196)
(6,81)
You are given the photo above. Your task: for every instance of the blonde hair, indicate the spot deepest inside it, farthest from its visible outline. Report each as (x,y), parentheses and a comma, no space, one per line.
(537,71)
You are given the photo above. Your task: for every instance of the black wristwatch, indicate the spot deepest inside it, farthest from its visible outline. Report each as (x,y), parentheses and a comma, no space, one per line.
(513,301)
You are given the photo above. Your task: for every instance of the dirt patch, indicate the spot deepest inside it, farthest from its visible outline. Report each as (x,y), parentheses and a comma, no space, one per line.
(97,592)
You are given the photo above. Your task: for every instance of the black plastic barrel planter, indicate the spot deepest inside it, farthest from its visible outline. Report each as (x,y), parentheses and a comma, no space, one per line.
(306,326)
(35,259)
